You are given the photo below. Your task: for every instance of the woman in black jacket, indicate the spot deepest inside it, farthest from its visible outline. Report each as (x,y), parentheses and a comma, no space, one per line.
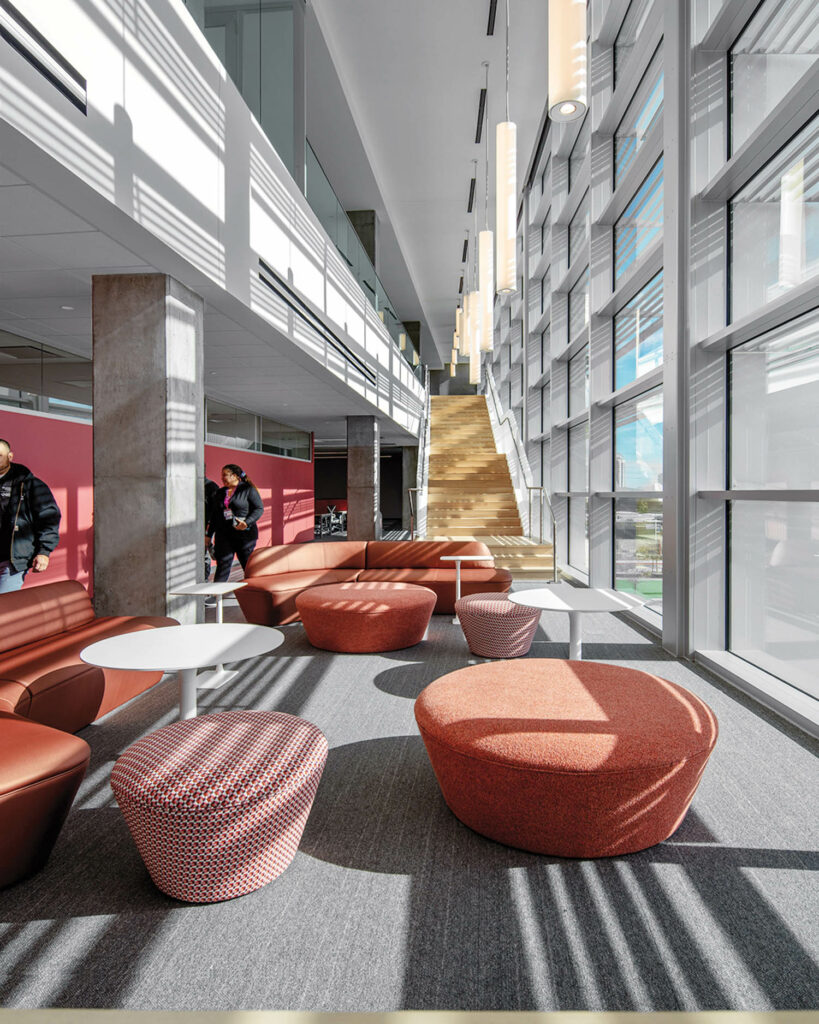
(234,511)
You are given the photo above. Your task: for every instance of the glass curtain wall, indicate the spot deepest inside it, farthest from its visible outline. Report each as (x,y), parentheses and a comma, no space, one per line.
(255,40)
(708,347)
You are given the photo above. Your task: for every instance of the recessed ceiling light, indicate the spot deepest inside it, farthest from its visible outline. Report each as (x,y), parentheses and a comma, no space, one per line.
(66,307)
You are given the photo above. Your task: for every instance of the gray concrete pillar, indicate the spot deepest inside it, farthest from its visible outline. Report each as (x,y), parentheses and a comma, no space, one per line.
(363,222)
(148,444)
(363,478)
(409,478)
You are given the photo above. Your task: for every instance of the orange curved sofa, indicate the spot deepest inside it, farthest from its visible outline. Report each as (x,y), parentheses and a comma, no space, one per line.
(567,758)
(47,693)
(276,575)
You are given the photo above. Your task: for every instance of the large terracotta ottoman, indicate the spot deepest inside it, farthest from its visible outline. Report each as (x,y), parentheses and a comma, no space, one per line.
(496,627)
(217,804)
(358,618)
(570,758)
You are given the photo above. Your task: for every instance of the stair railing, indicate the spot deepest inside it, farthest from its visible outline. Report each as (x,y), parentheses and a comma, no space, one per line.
(418,495)
(507,436)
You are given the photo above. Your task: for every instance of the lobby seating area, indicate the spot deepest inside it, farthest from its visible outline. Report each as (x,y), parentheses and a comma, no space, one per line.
(275,576)
(392,902)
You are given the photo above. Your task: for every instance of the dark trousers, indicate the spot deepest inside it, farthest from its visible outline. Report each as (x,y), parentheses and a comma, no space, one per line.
(228,545)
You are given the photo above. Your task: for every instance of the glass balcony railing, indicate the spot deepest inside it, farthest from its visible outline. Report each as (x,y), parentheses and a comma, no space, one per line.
(320,195)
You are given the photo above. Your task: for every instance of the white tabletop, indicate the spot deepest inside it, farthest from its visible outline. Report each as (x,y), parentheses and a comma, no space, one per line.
(563,597)
(466,558)
(208,589)
(172,648)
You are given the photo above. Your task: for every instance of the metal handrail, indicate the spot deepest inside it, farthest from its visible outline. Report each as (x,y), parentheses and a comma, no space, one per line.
(523,462)
(410,492)
(421,473)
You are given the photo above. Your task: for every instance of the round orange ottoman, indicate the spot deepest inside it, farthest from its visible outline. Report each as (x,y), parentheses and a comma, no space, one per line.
(570,758)
(358,618)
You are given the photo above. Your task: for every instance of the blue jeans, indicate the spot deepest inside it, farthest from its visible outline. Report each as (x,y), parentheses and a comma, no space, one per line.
(9,579)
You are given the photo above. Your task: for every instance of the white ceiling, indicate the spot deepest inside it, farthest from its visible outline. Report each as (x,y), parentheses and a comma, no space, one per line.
(411,73)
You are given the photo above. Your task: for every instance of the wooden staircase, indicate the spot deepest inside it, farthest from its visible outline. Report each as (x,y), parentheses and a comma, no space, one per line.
(470,493)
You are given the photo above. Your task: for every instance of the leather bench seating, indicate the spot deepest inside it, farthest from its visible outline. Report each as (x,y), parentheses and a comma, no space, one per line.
(276,575)
(46,692)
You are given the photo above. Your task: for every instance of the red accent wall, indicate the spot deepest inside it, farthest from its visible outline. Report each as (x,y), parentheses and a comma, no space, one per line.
(60,453)
(286,487)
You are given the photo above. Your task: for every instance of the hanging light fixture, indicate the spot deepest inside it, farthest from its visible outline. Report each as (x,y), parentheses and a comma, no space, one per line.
(414,357)
(402,341)
(486,253)
(505,189)
(463,332)
(475,339)
(475,309)
(452,369)
(567,59)
(459,329)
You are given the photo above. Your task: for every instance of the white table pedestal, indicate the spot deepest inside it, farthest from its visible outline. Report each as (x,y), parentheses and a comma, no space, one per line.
(457,559)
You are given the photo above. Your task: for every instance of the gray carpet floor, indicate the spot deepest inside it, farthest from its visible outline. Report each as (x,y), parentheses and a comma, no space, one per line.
(391,903)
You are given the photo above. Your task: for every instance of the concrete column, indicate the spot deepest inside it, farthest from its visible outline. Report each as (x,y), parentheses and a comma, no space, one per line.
(363,222)
(363,478)
(409,478)
(148,444)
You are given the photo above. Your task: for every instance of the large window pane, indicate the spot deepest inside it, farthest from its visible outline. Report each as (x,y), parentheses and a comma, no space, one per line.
(255,43)
(278,439)
(778,45)
(638,444)
(228,426)
(579,382)
(579,307)
(774,588)
(638,549)
(638,334)
(579,231)
(641,115)
(641,222)
(775,409)
(579,533)
(775,226)
(44,379)
(579,457)
(635,19)
(579,150)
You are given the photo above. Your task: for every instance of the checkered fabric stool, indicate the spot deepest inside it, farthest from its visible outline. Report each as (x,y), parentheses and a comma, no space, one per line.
(217,804)
(494,627)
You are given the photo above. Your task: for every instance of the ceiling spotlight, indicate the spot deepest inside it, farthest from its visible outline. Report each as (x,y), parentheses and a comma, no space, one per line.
(567,59)
(67,307)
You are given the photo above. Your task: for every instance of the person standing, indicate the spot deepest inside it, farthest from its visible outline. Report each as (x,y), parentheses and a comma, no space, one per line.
(29,522)
(211,490)
(234,511)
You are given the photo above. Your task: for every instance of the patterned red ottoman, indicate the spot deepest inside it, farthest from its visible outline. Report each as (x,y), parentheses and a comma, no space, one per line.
(494,627)
(217,804)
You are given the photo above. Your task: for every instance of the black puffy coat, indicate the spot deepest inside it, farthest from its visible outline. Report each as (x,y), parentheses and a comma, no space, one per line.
(34,515)
(246,504)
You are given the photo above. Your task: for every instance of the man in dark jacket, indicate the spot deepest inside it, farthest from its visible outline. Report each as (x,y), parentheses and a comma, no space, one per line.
(29,522)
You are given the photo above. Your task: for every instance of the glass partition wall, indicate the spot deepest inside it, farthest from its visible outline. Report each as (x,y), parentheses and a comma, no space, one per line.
(260,44)
(671,365)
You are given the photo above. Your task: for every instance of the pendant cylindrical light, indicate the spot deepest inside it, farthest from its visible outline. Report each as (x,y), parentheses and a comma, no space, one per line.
(452,369)
(486,258)
(463,333)
(506,221)
(402,341)
(475,338)
(414,357)
(567,59)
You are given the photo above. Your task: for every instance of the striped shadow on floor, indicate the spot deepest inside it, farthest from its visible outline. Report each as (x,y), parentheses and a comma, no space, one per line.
(392,904)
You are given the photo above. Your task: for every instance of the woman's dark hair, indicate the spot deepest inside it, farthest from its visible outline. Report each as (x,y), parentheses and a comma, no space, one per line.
(238,471)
